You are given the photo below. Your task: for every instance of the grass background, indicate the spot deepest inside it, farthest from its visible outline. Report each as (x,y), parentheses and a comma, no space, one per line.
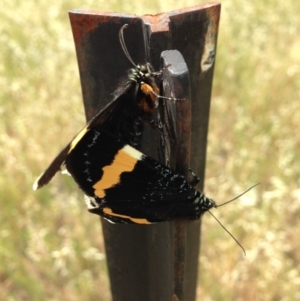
(51,249)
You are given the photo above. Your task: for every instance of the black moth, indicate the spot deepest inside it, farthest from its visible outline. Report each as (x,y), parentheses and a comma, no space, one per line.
(132,105)
(125,186)
(120,183)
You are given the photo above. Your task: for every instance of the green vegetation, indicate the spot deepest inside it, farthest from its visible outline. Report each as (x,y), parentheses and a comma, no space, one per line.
(50,250)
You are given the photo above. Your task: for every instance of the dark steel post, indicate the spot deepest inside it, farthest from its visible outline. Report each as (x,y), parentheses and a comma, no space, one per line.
(176,83)
(156,262)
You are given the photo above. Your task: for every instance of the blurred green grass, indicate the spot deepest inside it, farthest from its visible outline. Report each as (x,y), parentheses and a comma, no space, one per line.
(49,250)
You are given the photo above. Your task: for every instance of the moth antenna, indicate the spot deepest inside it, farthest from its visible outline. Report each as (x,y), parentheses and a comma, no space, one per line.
(123,45)
(229,233)
(238,195)
(227,203)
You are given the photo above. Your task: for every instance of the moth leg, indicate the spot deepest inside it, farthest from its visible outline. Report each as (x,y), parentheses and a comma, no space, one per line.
(165,97)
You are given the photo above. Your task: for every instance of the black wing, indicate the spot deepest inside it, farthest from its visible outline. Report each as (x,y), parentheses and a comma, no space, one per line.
(125,186)
(108,118)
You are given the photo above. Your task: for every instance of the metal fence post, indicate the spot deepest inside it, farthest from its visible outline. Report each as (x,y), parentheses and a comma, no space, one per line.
(141,258)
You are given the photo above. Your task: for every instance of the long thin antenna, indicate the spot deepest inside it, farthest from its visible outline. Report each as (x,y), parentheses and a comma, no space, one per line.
(122,42)
(228,233)
(238,195)
(227,203)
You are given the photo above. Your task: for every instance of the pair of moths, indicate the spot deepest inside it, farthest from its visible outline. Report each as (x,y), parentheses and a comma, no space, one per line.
(119,182)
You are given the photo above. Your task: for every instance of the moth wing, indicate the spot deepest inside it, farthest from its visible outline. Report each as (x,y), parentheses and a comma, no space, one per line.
(109,114)
(125,186)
